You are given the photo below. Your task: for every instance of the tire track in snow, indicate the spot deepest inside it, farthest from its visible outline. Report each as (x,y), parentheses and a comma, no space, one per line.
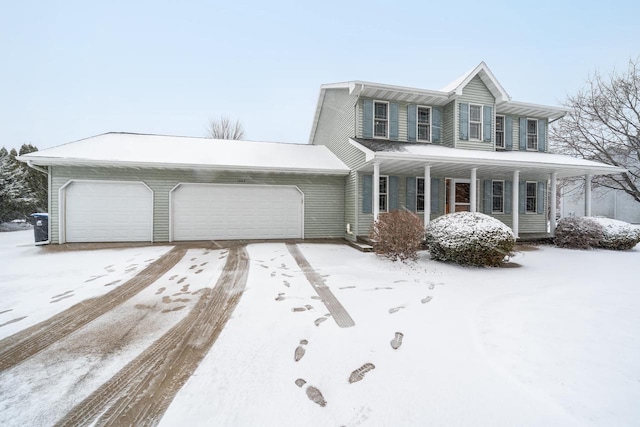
(24,344)
(141,392)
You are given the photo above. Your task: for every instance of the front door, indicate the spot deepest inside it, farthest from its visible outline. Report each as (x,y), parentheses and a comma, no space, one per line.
(458,195)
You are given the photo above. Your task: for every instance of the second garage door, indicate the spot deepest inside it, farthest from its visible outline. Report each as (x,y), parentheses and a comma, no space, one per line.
(231,212)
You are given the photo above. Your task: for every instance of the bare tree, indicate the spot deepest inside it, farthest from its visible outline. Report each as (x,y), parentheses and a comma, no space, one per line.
(225,129)
(604,125)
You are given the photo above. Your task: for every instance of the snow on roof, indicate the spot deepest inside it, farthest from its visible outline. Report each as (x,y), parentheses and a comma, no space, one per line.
(129,149)
(438,153)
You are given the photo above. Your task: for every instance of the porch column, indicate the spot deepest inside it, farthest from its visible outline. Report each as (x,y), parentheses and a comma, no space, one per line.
(587,195)
(515,205)
(427,194)
(376,190)
(473,190)
(553,202)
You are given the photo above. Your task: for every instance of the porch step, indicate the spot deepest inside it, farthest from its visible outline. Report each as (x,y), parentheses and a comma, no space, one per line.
(362,247)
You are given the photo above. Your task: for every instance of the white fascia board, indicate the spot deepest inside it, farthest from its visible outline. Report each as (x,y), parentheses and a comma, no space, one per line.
(598,170)
(49,161)
(368,154)
(553,113)
(316,116)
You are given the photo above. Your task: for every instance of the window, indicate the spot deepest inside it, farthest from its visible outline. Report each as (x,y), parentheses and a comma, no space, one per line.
(532,134)
(475,122)
(532,196)
(380,119)
(497,201)
(424,124)
(420,194)
(499,131)
(384,181)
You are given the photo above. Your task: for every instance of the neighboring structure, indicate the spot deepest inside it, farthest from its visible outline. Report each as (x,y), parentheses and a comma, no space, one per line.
(605,202)
(373,148)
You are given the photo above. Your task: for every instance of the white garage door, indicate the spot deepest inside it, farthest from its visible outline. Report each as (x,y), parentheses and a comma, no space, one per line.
(228,212)
(108,212)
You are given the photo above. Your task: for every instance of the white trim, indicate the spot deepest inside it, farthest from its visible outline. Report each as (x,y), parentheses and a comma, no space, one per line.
(473,191)
(515,203)
(62,204)
(452,194)
(553,186)
(430,124)
(212,184)
(373,130)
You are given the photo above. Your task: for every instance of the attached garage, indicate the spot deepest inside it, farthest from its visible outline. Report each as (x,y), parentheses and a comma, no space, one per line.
(106,211)
(236,211)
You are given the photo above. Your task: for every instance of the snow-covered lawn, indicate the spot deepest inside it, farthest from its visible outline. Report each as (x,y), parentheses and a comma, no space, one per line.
(552,342)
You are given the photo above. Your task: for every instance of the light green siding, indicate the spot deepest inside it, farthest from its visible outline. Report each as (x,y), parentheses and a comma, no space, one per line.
(475,92)
(448,122)
(323,195)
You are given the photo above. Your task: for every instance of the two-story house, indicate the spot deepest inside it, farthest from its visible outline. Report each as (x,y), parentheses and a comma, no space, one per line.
(465,147)
(373,148)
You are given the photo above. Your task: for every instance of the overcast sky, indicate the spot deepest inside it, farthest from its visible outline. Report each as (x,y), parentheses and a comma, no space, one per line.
(73,69)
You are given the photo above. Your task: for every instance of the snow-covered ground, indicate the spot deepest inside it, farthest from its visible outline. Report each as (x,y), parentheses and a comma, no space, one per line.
(553,341)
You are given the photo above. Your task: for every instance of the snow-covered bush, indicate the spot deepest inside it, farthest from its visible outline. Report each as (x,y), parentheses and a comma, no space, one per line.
(618,235)
(397,235)
(469,238)
(578,233)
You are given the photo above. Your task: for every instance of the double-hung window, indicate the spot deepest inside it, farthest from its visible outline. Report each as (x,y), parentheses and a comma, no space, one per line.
(499,131)
(420,194)
(531,201)
(532,134)
(383,193)
(424,124)
(475,122)
(497,197)
(380,119)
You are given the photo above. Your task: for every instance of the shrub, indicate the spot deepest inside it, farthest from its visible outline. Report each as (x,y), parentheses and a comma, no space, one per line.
(617,235)
(469,238)
(397,235)
(578,233)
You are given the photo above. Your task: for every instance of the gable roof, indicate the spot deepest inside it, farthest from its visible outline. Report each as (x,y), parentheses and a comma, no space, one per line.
(487,77)
(116,149)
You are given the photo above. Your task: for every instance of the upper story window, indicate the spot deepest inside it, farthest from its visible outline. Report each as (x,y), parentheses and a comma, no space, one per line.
(531,197)
(424,124)
(380,119)
(497,202)
(499,131)
(532,134)
(384,191)
(475,122)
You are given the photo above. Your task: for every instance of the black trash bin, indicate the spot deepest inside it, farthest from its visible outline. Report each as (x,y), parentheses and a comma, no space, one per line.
(40,223)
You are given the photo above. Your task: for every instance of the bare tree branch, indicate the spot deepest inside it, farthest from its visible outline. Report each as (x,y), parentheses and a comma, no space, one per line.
(604,125)
(225,129)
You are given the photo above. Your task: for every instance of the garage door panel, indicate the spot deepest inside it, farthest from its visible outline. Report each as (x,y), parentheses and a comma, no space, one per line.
(217,211)
(108,212)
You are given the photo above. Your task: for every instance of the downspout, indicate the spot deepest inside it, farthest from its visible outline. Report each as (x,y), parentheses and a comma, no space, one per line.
(46,172)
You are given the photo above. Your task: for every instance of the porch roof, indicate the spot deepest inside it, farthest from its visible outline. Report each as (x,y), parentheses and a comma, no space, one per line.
(406,158)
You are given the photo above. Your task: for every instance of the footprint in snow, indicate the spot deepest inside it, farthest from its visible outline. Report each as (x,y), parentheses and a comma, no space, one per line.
(426,300)
(396,342)
(312,393)
(300,350)
(358,374)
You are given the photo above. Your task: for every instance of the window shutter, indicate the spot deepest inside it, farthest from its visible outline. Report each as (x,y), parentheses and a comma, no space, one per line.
(367,118)
(436,125)
(488,193)
(411,122)
(435,195)
(508,196)
(523,133)
(464,121)
(542,135)
(411,193)
(541,196)
(487,112)
(508,133)
(522,197)
(393,193)
(367,194)
(393,121)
